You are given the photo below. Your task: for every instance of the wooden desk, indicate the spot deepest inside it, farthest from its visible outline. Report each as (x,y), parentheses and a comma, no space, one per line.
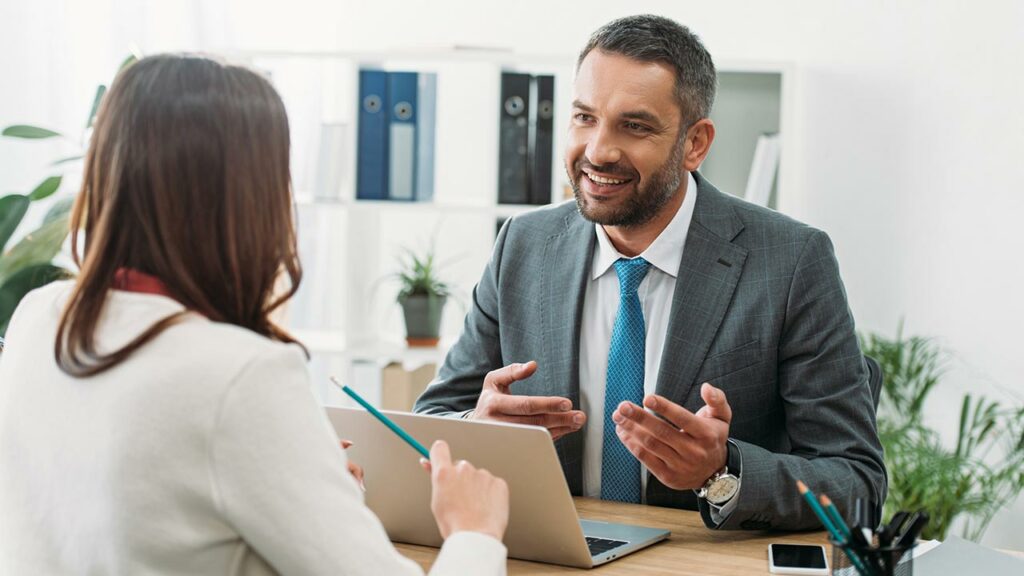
(691,550)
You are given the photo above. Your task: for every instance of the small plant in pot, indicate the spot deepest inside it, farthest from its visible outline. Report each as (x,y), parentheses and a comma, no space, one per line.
(422,296)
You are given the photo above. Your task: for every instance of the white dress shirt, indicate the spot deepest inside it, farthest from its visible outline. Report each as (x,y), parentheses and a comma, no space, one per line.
(600,306)
(203,453)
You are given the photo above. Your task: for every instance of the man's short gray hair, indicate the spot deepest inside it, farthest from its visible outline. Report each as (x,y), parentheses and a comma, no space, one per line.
(649,38)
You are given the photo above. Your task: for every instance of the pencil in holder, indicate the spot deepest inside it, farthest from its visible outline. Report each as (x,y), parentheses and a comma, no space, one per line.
(851,559)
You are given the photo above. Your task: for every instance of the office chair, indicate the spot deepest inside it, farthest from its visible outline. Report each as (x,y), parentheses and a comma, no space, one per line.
(875,376)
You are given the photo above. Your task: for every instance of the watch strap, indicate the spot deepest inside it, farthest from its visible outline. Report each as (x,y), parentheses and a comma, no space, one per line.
(734,459)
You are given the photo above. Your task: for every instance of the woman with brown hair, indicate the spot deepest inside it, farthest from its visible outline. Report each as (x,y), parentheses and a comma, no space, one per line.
(153,418)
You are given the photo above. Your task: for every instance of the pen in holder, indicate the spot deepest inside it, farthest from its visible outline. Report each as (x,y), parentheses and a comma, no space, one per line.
(895,560)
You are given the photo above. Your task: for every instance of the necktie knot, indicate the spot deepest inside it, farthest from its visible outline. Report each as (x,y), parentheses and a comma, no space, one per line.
(631,273)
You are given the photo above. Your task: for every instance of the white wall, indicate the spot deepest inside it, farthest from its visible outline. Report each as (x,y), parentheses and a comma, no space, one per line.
(909,113)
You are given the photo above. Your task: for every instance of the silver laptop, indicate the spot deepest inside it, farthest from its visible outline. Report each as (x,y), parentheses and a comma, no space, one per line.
(543,525)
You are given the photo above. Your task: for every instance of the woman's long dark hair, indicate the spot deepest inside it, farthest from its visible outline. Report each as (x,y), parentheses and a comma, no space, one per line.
(186,179)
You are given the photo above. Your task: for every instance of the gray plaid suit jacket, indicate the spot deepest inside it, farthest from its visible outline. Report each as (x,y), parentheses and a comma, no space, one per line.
(759,311)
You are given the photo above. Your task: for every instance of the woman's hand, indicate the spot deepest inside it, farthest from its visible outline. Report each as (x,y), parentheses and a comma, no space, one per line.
(464,498)
(353,468)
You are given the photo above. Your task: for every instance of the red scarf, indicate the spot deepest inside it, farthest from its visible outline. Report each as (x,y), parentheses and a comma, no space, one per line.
(131,280)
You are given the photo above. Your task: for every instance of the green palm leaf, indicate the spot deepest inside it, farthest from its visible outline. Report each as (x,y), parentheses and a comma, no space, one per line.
(100,91)
(39,247)
(46,188)
(12,210)
(60,209)
(29,132)
(23,282)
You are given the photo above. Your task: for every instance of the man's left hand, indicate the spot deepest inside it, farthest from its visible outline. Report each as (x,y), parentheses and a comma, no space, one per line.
(684,449)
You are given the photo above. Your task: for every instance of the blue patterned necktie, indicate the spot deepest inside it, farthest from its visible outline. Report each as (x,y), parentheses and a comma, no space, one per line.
(620,470)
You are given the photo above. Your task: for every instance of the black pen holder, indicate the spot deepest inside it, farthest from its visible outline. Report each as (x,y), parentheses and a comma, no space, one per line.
(851,559)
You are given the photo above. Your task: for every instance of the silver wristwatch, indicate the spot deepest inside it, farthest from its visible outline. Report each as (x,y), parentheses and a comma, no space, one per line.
(720,488)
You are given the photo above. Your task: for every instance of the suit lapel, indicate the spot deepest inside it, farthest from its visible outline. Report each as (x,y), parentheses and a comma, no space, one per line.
(709,271)
(566,264)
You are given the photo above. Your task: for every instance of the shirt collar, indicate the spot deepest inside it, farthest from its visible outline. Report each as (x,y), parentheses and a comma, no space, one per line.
(666,250)
(132,280)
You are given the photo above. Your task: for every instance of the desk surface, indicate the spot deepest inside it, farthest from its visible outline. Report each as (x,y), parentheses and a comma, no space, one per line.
(691,550)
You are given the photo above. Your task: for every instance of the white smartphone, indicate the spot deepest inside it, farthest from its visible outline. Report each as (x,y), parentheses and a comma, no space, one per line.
(805,559)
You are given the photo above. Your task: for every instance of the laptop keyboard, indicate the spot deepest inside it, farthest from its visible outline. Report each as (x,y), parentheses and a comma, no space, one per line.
(601,545)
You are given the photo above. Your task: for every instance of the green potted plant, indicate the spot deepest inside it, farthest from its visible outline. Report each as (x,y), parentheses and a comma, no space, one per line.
(422,296)
(979,476)
(28,264)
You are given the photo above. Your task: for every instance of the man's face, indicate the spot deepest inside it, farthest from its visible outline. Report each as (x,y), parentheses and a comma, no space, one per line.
(624,155)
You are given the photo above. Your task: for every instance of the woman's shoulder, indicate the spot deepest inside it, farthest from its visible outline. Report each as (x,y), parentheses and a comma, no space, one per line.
(193,344)
(232,343)
(38,307)
(53,294)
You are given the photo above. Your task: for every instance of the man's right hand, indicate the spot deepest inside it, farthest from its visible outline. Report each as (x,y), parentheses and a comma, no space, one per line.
(552,412)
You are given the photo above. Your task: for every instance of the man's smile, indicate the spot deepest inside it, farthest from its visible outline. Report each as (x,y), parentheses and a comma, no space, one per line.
(596,184)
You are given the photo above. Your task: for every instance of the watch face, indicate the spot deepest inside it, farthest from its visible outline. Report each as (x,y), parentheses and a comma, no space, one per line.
(722,489)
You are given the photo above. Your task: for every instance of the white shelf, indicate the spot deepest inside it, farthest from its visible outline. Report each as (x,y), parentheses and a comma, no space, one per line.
(754,66)
(410,357)
(332,342)
(499,210)
(452,54)
(323,341)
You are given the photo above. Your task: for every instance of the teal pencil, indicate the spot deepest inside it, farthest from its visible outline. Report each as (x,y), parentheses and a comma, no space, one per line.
(809,496)
(384,419)
(836,535)
(834,515)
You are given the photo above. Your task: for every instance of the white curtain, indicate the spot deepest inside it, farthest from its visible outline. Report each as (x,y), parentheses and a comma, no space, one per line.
(53,55)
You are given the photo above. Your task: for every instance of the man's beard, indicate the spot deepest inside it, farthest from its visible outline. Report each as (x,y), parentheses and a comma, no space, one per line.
(644,203)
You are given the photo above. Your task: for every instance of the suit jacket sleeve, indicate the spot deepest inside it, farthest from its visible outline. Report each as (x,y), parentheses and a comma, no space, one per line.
(478,350)
(829,412)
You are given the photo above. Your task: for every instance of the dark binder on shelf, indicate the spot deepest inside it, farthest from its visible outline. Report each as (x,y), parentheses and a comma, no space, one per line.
(403,88)
(372,154)
(514,139)
(541,133)
(427,115)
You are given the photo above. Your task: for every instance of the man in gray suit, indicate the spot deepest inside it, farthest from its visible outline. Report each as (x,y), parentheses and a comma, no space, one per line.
(728,322)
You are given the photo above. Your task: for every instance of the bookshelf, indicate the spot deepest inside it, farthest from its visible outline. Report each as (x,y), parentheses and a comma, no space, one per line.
(345,310)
